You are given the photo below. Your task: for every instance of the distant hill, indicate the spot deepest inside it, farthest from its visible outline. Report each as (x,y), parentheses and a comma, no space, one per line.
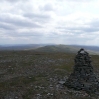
(93,48)
(21,46)
(51,48)
(57,48)
(64,48)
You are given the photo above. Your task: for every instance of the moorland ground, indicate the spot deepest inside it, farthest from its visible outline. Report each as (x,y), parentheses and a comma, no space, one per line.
(37,75)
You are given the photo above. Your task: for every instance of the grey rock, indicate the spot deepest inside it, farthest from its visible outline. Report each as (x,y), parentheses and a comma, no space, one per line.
(83,77)
(61,82)
(16,97)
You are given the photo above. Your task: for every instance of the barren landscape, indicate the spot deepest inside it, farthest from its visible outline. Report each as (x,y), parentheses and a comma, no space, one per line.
(49,49)
(39,75)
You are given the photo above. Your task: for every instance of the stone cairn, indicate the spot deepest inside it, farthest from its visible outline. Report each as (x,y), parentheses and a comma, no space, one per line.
(83,77)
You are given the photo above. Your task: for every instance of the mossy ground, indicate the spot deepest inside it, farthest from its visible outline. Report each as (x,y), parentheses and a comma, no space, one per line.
(28,73)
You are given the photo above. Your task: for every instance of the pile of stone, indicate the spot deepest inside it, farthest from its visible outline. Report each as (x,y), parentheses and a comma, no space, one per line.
(83,77)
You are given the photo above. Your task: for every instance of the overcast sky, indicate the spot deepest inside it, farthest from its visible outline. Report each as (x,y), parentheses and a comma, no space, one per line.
(49,21)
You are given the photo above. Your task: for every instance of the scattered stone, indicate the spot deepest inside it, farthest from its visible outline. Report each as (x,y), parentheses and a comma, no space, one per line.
(51,86)
(61,82)
(51,79)
(65,93)
(16,97)
(30,77)
(49,94)
(39,95)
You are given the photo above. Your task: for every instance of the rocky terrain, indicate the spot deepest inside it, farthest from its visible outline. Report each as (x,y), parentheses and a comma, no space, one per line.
(39,75)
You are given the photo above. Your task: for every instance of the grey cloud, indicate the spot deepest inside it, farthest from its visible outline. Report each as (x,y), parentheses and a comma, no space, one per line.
(46,7)
(15,33)
(77,0)
(6,26)
(28,34)
(19,22)
(43,18)
(80,0)
(12,1)
(25,24)
(94,23)
(53,35)
(32,15)
(80,29)
(85,29)
(91,29)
